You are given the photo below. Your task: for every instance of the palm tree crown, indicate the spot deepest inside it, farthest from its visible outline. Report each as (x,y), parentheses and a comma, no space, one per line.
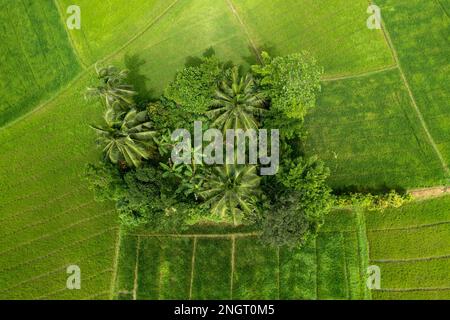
(115,93)
(231,189)
(236,103)
(129,139)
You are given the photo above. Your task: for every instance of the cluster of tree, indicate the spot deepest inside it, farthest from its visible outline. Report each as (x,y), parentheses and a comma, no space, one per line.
(150,190)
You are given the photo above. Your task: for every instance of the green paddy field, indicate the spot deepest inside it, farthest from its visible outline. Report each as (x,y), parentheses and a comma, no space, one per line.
(382,121)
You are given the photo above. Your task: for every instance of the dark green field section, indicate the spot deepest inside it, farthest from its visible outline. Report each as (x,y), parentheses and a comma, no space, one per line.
(240,267)
(410,245)
(366,131)
(333,31)
(38,59)
(420,34)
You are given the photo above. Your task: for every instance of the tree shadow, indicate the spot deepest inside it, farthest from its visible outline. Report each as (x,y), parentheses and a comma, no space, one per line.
(192,61)
(375,190)
(139,81)
(251,59)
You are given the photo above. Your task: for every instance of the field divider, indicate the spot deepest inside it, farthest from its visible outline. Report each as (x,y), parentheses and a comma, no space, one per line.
(115,263)
(412,289)
(358,75)
(216,235)
(406,260)
(244,27)
(136,269)
(194,249)
(413,100)
(430,225)
(233,263)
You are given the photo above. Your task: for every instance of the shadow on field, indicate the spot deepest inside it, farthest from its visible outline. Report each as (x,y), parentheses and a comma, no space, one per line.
(134,63)
(251,59)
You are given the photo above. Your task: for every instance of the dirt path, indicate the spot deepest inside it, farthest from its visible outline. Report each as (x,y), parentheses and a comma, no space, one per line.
(427,193)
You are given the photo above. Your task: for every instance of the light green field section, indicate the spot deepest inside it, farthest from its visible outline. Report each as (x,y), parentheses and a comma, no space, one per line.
(238,266)
(35,54)
(410,245)
(187,31)
(333,31)
(366,131)
(108,25)
(420,35)
(48,218)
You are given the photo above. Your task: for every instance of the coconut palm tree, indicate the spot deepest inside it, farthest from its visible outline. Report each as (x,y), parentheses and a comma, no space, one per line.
(116,94)
(231,189)
(129,139)
(236,103)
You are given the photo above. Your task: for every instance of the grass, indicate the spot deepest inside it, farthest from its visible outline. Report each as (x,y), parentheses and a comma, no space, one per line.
(419,32)
(410,245)
(48,218)
(333,31)
(37,58)
(366,131)
(106,26)
(168,267)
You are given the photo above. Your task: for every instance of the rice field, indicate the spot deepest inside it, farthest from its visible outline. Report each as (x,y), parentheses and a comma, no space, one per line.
(367,132)
(419,32)
(381,122)
(36,56)
(410,245)
(238,266)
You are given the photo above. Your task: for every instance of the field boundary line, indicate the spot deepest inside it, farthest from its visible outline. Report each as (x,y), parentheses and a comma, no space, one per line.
(194,249)
(233,262)
(75,50)
(139,33)
(358,75)
(197,235)
(13,249)
(43,275)
(44,206)
(442,7)
(279,272)
(244,27)
(27,227)
(50,253)
(115,263)
(317,268)
(412,289)
(413,100)
(411,259)
(136,269)
(346,269)
(410,227)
